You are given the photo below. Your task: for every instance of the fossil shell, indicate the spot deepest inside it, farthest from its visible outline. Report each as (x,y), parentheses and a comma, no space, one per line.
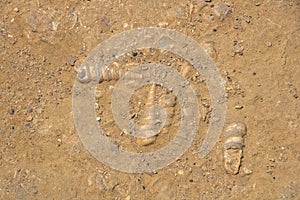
(233,146)
(87,74)
(169,101)
(147,120)
(113,72)
(104,73)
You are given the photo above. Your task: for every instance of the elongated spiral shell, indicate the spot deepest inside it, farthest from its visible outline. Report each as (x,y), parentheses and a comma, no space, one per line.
(169,102)
(113,72)
(103,73)
(147,120)
(233,146)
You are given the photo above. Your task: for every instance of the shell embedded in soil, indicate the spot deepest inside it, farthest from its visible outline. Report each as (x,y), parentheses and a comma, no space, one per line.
(233,146)
(114,72)
(169,101)
(147,120)
(104,73)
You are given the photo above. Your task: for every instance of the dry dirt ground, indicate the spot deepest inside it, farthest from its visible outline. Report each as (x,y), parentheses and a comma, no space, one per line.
(257,53)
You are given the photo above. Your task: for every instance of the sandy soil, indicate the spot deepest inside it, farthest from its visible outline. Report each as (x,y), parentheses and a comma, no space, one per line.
(257,53)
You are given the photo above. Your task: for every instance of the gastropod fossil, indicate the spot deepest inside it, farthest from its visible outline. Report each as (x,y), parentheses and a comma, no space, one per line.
(233,145)
(103,73)
(147,120)
(169,102)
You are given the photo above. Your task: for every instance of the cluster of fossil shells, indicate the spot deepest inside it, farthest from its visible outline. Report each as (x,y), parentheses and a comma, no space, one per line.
(115,72)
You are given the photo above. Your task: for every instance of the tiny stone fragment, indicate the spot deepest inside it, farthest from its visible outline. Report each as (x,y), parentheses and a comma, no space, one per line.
(269,44)
(222,10)
(209,47)
(11,111)
(29,118)
(238,107)
(247,171)
(72,60)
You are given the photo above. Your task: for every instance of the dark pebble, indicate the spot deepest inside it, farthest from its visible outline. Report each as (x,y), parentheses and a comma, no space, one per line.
(11,111)
(134,54)
(30,110)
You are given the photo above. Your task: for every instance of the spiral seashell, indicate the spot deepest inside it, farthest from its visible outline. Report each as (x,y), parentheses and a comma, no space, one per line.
(104,73)
(169,102)
(148,120)
(86,74)
(233,146)
(113,72)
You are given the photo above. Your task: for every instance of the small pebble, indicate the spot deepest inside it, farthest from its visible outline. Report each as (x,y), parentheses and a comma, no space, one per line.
(269,44)
(238,107)
(72,60)
(29,118)
(163,24)
(222,10)
(125,25)
(180,172)
(247,171)
(11,111)
(16,9)
(34,190)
